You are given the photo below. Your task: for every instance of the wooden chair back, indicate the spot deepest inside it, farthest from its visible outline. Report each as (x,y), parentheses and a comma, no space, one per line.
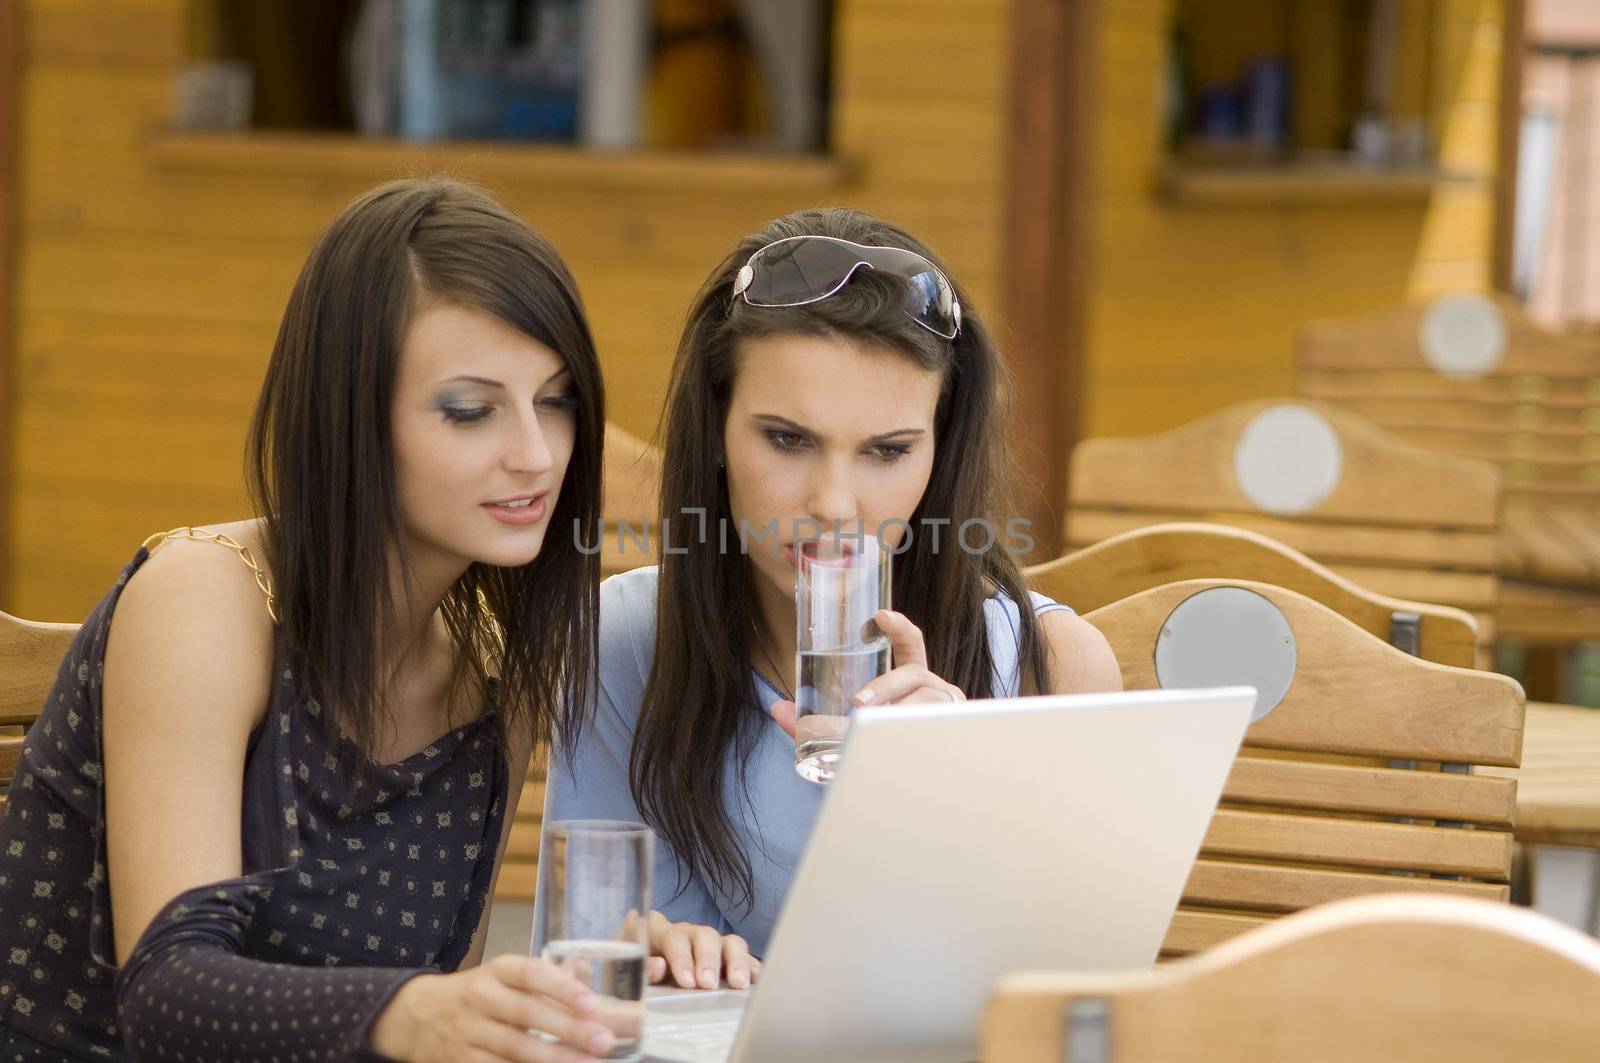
(1398,519)
(1528,404)
(30,655)
(1305,816)
(1531,406)
(1395,977)
(1147,557)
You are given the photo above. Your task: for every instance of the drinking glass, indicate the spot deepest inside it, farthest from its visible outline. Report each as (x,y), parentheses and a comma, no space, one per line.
(594,900)
(839,584)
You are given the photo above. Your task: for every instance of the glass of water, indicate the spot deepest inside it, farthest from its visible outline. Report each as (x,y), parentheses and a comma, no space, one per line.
(594,901)
(840,583)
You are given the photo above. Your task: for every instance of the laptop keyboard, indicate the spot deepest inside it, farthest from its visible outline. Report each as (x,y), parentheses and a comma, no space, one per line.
(690,1042)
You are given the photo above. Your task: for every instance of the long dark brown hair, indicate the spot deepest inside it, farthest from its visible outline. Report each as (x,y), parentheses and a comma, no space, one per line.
(320,459)
(700,702)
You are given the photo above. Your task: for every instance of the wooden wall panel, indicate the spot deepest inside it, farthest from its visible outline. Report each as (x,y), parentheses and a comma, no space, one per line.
(1191,309)
(153,269)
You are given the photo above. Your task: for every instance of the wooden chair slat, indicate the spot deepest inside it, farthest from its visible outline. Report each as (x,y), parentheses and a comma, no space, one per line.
(1390,341)
(1395,977)
(1149,556)
(1377,791)
(10,755)
(30,656)
(1383,480)
(1352,694)
(1472,591)
(1469,550)
(1236,833)
(1274,888)
(517,880)
(1194,929)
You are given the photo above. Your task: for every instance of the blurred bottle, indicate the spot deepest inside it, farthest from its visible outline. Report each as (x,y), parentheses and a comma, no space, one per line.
(705,88)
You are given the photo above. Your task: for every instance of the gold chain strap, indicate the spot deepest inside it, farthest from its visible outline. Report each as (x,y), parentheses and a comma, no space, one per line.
(203,535)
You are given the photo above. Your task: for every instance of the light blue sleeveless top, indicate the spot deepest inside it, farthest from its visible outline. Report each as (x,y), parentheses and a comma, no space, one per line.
(772,813)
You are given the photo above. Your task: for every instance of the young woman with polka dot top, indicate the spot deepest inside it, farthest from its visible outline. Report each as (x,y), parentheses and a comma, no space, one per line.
(261,812)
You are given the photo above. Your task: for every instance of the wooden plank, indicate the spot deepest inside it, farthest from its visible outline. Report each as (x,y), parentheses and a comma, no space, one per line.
(10,80)
(1352,693)
(1305,839)
(1146,557)
(1473,591)
(1190,469)
(1391,978)
(1548,614)
(1266,888)
(1372,791)
(1048,189)
(30,656)
(144,31)
(1390,342)
(517,880)
(10,754)
(1194,929)
(1472,550)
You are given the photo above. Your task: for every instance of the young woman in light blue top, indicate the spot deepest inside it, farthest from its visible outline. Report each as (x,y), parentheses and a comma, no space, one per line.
(829,376)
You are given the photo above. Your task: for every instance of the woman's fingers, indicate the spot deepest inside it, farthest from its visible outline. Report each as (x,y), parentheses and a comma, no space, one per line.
(656,967)
(707,946)
(909,682)
(519,1009)
(736,961)
(905,638)
(677,950)
(546,979)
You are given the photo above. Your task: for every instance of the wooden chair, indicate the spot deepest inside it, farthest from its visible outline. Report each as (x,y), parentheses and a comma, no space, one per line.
(1303,819)
(1164,553)
(1386,515)
(1412,978)
(1528,400)
(30,654)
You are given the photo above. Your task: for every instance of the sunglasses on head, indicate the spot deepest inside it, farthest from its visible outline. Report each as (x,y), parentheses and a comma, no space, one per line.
(799,270)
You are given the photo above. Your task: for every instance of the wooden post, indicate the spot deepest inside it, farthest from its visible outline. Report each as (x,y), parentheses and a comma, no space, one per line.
(10,130)
(1046,243)
(1514,44)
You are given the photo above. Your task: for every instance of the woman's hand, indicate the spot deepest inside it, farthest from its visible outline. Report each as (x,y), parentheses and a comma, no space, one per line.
(698,956)
(909,681)
(484,1014)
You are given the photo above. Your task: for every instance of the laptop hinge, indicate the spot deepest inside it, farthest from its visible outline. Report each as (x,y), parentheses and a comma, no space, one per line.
(1088,1032)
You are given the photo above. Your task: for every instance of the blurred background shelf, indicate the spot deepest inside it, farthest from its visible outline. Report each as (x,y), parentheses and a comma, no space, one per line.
(343,155)
(1310,182)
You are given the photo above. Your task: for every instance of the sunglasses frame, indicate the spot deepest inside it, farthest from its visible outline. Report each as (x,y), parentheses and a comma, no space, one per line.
(746,276)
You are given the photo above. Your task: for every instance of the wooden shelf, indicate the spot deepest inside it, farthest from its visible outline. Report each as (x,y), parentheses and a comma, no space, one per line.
(371,159)
(1325,183)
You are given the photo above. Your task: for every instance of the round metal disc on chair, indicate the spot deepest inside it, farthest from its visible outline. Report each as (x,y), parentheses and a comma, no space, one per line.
(1463,335)
(1288,459)
(1228,636)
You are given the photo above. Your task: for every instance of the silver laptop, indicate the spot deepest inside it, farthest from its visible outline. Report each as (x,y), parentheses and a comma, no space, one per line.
(962,842)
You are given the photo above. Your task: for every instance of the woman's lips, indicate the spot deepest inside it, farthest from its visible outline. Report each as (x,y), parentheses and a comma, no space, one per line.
(508,513)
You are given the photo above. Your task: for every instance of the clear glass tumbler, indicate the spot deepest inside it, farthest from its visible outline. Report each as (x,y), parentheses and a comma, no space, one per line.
(594,898)
(840,584)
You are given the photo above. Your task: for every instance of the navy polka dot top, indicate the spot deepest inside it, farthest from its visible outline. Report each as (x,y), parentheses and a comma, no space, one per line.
(353,882)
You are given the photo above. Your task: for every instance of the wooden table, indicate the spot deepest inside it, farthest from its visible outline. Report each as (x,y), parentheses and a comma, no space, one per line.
(1558,786)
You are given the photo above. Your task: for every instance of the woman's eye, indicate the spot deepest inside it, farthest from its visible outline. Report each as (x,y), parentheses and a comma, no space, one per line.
(785,440)
(890,451)
(559,402)
(464,414)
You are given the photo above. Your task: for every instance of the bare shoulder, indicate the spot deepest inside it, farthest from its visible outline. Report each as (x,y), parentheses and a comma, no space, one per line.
(193,618)
(1081,660)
